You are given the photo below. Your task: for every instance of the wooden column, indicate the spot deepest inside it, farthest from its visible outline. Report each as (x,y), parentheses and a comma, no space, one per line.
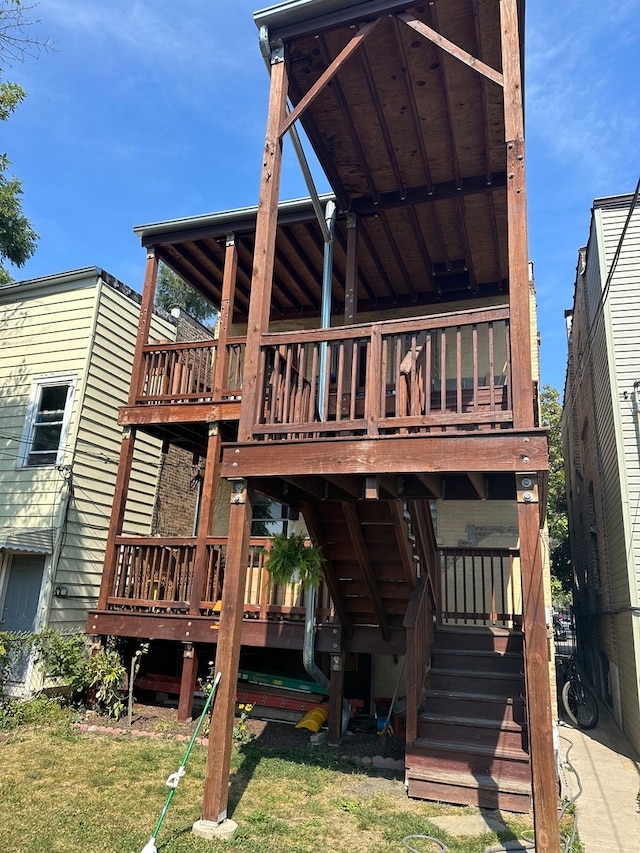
(216,786)
(351,277)
(265,244)
(117,515)
(336,695)
(144,323)
(205,520)
(187,681)
(536,662)
(518,253)
(220,378)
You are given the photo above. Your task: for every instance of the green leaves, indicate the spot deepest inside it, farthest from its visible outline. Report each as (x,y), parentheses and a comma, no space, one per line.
(291,561)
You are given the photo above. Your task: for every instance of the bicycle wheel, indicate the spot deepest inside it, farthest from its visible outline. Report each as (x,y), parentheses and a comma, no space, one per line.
(580,705)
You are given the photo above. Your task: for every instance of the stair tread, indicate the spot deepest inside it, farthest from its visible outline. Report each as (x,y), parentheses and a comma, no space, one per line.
(476,629)
(435,693)
(476,748)
(468,779)
(495,653)
(479,722)
(475,673)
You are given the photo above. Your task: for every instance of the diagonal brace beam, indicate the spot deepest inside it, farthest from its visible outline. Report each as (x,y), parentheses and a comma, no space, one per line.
(452,49)
(324,78)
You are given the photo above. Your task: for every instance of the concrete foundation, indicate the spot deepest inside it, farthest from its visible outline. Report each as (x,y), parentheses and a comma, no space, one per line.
(211,831)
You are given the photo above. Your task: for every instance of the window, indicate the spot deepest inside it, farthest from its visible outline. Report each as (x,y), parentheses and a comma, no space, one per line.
(47,421)
(269,517)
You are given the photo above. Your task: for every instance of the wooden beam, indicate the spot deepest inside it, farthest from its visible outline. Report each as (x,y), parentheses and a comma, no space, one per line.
(216,785)
(144,324)
(179,413)
(351,486)
(401,530)
(336,695)
(324,78)
(495,452)
(360,548)
(330,575)
(205,521)
(187,681)
(264,251)
(351,280)
(226,315)
(518,253)
(536,662)
(451,48)
(479,484)
(116,520)
(388,483)
(433,482)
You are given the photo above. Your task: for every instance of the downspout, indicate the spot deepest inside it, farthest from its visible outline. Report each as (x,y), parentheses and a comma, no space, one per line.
(308,656)
(325,309)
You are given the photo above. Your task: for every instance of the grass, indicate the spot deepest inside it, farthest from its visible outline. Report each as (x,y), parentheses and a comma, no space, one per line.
(65,792)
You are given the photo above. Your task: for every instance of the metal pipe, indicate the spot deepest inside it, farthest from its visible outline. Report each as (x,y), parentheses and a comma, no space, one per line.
(325,308)
(308,657)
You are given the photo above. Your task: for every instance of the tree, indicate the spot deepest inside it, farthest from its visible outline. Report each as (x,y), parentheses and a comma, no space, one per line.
(172,290)
(17,237)
(551,410)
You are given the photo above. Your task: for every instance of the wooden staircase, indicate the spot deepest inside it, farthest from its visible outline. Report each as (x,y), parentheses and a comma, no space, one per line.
(471,746)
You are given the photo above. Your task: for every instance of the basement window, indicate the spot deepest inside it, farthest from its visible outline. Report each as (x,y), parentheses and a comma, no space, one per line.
(47,422)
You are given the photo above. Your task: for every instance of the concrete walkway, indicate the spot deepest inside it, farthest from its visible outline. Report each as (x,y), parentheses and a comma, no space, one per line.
(607,768)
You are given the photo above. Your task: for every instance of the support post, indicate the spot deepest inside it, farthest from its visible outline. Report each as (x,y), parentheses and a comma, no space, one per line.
(216,786)
(220,378)
(205,520)
(187,681)
(336,695)
(536,663)
(265,244)
(118,506)
(144,324)
(518,253)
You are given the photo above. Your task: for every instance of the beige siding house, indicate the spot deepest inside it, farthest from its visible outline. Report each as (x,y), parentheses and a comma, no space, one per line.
(602,455)
(65,367)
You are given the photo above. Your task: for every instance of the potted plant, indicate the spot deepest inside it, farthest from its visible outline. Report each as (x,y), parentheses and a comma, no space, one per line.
(291,560)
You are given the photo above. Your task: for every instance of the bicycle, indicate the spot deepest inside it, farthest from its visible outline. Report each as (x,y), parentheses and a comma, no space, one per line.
(578,701)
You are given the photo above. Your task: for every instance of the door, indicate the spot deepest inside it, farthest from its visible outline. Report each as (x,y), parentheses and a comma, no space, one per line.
(20,603)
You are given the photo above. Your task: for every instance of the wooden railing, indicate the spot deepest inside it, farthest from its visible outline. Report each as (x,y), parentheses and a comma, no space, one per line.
(191,372)
(448,371)
(419,627)
(156,575)
(480,587)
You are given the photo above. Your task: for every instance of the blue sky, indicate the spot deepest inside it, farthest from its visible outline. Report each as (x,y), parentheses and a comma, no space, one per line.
(147,111)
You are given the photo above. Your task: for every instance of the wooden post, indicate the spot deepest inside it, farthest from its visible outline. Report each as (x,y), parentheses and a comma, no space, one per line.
(518,253)
(205,520)
(336,694)
(265,244)
(220,378)
(216,786)
(351,277)
(187,681)
(536,662)
(144,324)
(117,515)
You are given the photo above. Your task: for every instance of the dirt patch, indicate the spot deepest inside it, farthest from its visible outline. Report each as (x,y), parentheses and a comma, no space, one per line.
(360,742)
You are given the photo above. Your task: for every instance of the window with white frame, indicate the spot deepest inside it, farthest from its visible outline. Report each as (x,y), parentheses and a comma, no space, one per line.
(47,421)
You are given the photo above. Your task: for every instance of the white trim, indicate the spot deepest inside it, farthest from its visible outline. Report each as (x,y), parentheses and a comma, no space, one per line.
(32,410)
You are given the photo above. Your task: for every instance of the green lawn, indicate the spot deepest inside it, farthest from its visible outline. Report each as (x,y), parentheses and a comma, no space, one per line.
(65,792)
